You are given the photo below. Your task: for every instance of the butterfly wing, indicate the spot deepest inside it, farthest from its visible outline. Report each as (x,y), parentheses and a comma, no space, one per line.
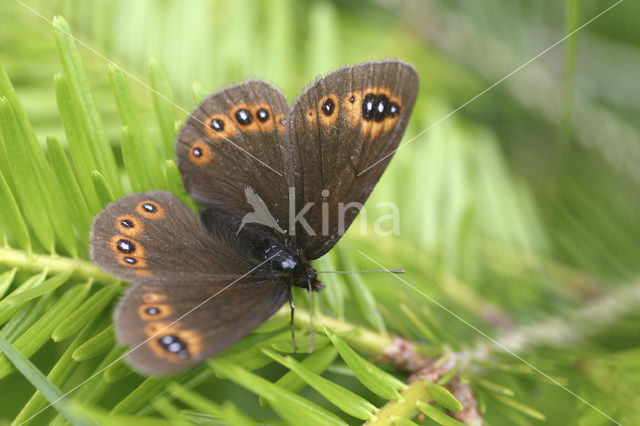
(234,142)
(155,236)
(155,241)
(173,325)
(339,127)
(323,150)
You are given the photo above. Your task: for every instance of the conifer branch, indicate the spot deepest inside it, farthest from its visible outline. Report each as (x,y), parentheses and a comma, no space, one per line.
(82,269)
(566,329)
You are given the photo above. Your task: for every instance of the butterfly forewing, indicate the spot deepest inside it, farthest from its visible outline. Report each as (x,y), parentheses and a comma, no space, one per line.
(339,127)
(155,236)
(236,139)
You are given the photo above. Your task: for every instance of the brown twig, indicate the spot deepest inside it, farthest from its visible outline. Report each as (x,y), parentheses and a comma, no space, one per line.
(402,355)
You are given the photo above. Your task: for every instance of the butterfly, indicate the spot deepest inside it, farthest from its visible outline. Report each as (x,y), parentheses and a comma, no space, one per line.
(273,182)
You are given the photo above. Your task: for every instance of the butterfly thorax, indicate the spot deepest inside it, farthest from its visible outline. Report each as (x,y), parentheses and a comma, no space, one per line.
(296,268)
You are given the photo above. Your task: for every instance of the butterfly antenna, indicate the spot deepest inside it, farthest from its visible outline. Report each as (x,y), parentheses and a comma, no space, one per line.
(381,271)
(293,331)
(311,317)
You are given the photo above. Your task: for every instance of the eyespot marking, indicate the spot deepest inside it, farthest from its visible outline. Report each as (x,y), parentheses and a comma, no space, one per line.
(264,117)
(280,123)
(154,311)
(143,273)
(136,262)
(312,117)
(327,105)
(150,297)
(378,107)
(242,115)
(329,108)
(394,109)
(262,114)
(218,127)
(172,343)
(129,225)
(154,327)
(374,109)
(128,252)
(352,105)
(150,210)
(125,246)
(200,153)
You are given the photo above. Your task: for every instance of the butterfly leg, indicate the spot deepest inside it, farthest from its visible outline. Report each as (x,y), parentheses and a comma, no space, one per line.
(312,331)
(293,331)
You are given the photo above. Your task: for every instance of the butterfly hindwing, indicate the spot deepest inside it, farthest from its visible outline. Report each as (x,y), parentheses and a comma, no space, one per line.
(236,139)
(343,130)
(172,325)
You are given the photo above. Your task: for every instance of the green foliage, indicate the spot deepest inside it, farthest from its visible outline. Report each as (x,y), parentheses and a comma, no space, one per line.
(437,415)
(534,245)
(342,398)
(379,382)
(85,103)
(31,372)
(289,406)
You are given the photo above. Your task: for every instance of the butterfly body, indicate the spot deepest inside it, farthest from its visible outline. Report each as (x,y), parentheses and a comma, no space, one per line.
(297,272)
(293,268)
(278,257)
(278,185)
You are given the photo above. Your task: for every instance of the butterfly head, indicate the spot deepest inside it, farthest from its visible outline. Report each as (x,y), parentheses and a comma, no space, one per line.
(296,268)
(306,277)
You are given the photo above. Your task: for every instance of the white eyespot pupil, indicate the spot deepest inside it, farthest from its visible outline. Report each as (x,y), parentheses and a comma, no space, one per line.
(126,246)
(217,125)
(263,114)
(243,116)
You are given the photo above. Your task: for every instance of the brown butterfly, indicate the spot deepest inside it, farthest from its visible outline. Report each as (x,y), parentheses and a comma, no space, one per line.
(273,181)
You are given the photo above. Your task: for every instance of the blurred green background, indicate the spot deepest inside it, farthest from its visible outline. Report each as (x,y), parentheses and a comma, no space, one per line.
(517,211)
